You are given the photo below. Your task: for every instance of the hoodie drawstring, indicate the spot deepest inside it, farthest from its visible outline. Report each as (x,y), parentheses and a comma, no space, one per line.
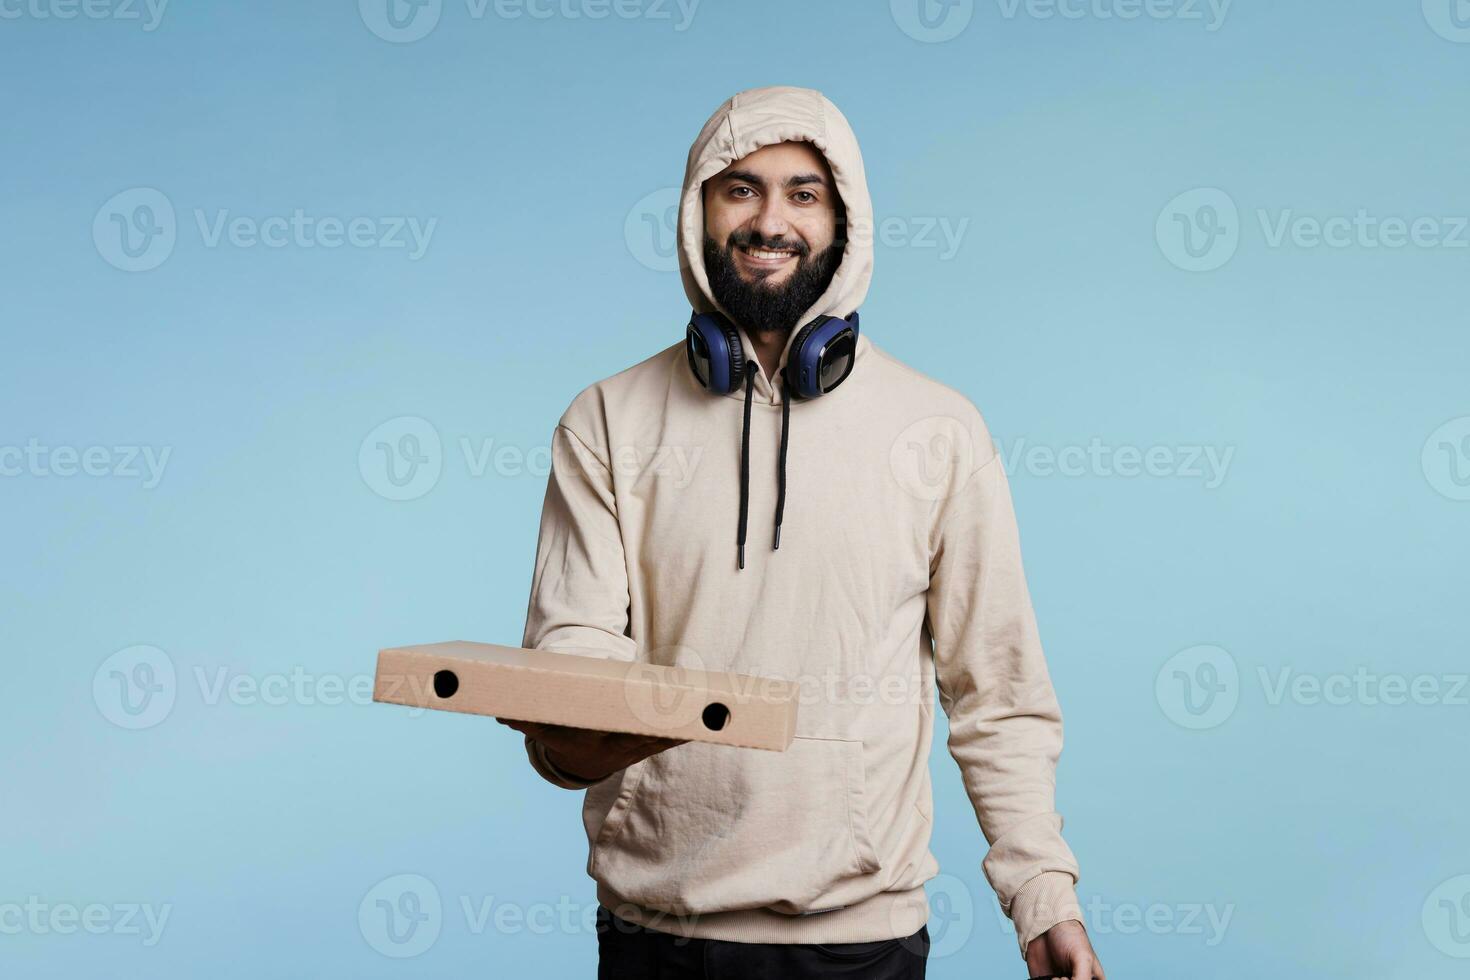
(750,369)
(781,466)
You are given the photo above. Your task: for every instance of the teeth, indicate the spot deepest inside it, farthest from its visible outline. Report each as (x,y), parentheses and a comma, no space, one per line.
(765,253)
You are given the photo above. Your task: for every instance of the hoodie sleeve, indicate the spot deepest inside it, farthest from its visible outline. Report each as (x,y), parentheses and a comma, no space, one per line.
(579,589)
(1005,726)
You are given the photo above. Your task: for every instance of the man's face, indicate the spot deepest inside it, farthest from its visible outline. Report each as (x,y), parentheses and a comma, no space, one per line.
(771,221)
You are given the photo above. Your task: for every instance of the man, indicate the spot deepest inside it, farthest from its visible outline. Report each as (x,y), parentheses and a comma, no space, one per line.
(893,564)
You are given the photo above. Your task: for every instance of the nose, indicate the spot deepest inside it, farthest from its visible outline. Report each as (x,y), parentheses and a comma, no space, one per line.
(771,221)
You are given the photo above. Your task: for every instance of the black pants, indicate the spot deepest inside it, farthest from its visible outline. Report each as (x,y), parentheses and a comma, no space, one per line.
(627,951)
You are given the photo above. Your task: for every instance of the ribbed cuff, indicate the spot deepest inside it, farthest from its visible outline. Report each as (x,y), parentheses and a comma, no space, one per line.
(1041,903)
(537,753)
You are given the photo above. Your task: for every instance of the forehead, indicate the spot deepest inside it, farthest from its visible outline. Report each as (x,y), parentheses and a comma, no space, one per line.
(780,160)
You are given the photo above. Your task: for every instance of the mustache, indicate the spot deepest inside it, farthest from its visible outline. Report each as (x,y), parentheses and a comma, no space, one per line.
(754,239)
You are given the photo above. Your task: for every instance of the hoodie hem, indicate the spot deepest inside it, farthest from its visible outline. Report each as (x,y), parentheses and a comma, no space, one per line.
(886,915)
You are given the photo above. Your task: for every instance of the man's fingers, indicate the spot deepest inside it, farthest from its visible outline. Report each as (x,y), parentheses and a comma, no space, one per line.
(658,744)
(530,728)
(566,736)
(664,741)
(632,741)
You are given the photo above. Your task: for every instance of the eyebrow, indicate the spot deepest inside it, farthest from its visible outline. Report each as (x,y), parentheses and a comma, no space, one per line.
(795,180)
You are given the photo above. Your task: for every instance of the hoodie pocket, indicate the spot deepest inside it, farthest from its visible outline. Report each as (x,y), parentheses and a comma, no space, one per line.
(707,827)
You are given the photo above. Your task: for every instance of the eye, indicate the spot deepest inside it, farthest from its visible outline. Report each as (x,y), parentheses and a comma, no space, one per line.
(805,197)
(737,190)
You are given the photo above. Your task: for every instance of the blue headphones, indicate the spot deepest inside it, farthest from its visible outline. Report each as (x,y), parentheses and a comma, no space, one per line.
(820,359)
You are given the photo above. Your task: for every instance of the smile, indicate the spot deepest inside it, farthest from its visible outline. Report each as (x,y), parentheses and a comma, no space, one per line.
(766,256)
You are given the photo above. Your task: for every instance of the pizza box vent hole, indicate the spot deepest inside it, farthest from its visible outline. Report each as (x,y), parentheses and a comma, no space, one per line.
(446,683)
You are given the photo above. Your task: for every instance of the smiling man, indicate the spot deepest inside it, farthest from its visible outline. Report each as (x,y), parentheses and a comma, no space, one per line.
(767,265)
(899,573)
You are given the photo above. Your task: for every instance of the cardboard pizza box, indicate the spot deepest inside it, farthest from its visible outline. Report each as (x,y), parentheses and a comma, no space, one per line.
(590,691)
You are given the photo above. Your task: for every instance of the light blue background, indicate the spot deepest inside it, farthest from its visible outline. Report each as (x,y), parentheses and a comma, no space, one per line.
(1322,830)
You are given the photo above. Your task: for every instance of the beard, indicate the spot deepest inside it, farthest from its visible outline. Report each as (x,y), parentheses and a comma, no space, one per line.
(761,306)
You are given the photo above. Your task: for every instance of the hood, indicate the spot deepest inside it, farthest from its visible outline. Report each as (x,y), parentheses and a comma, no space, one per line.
(746,122)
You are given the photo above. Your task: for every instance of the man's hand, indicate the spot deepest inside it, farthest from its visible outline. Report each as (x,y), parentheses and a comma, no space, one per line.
(1063,951)
(591,755)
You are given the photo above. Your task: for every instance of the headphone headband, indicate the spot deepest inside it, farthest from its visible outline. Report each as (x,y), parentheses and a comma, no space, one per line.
(821,355)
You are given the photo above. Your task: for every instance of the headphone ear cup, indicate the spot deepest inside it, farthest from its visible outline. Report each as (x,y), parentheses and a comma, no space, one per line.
(792,370)
(737,357)
(715,354)
(795,358)
(821,356)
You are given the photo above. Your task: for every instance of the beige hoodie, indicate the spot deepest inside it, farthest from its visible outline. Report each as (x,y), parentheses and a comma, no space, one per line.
(899,566)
